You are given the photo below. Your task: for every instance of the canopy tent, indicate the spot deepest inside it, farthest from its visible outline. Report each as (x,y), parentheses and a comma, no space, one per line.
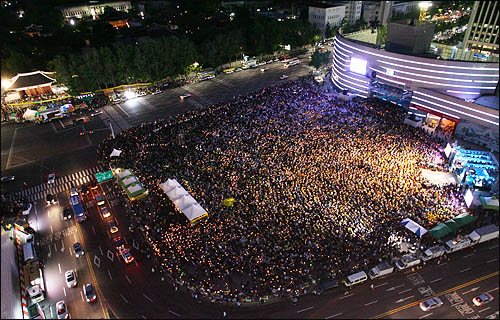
(30,114)
(414,227)
(452,224)
(489,203)
(183,200)
(440,231)
(463,219)
(115,153)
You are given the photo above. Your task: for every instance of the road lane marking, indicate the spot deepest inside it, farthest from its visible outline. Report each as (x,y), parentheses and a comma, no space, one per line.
(121,295)
(64,289)
(145,296)
(404,291)
(425,315)
(335,315)
(491,260)
(483,310)
(109,274)
(470,254)
(415,303)
(308,308)
(382,284)
(59,268)
(369,303)
(174,313)
(351,294)
(128,279)
(466,269)
(436,280)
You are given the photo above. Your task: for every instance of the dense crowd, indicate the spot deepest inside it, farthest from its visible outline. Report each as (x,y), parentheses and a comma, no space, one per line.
(320,186)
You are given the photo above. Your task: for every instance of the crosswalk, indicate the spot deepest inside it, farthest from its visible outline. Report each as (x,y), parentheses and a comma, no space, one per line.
(60,184)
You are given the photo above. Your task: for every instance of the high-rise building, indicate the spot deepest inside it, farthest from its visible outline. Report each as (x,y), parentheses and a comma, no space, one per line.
(482,32)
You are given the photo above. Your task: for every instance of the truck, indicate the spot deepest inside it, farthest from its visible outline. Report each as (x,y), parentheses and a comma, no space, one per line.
(407,261)
(433,252)
(457,244)
(380,270)
(483,234)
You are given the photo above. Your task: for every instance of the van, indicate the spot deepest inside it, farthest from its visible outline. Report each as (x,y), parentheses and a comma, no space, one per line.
(356,278)
(29,252)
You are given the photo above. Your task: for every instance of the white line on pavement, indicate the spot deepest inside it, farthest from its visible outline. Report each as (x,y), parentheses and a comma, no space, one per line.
(64,289)
(59,268)
(350,294)
(121,295)
(424,316)
(483,310)
(128,279)
(466,269)
(491,260)
(382,284)
(404,291)
(308,308)
(109,274)
(436,280)
(335,315)
(145,296)
(174,313)
(470,254)
(369,303)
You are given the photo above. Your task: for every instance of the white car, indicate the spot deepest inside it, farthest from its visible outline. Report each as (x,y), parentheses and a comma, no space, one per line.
(186,95)
(431,304)
(52,178)
(27,209)
(70,278)
(62,312)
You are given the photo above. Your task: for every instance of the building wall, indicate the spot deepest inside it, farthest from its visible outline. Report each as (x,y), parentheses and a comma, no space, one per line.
(439,86)
(321,16)
(483,28)
(95,9)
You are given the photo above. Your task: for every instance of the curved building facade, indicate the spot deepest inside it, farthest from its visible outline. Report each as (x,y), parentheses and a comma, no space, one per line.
(437,88)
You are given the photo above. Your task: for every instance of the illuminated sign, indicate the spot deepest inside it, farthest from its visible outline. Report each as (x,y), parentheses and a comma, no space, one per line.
(358,66)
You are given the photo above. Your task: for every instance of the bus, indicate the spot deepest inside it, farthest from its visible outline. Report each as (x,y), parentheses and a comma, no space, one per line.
(78,211)
(207,75)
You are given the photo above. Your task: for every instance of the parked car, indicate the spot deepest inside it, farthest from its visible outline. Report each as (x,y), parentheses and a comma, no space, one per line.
(431,304)
(78,249)
(27,209)
(89,293)
(62,312)
(70,278)
(482,299)
(51,178)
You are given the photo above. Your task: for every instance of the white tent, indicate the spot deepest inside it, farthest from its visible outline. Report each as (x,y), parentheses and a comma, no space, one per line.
(29,114)
(115,153)
(183,200)
(124,173)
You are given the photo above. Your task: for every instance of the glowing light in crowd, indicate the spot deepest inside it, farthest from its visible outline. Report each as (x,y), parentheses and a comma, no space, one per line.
(468,198)
(358,65)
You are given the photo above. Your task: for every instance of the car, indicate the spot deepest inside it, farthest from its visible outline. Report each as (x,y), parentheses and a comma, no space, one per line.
(430,304)
(51,178)
(27,208)
(186,95)
(8,178)
(50,198)
(70,278)
(126,255)
(482,299)
(112,226)
(118,243)
(77,247)
(95,114)
(62,312)
(238,70)
(283,77)
(66,214)
(105,212)
(88,292)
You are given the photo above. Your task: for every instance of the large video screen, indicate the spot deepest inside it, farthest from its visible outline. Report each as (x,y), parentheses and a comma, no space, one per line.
(358,65)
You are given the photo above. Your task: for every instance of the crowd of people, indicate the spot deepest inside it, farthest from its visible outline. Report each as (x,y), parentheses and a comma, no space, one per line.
(320,186)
